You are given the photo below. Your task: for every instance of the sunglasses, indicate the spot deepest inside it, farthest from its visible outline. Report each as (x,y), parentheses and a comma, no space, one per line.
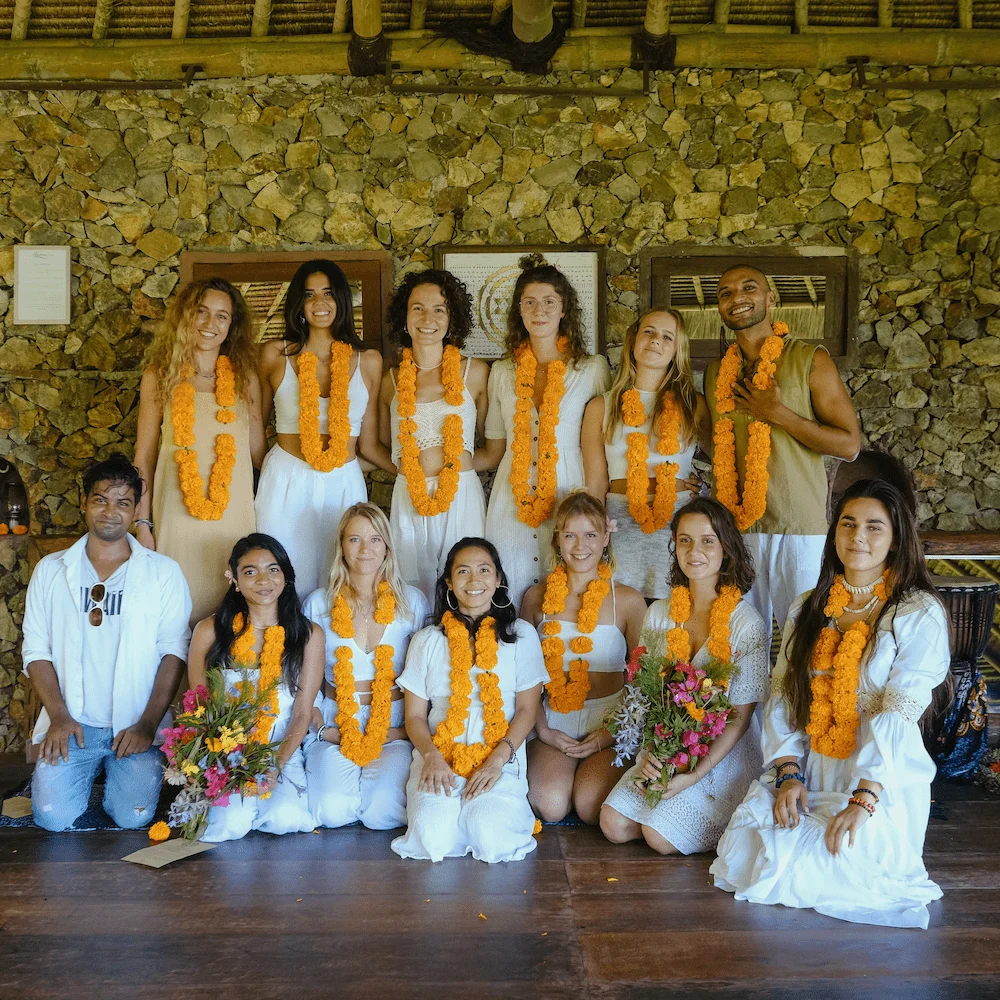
(96,614)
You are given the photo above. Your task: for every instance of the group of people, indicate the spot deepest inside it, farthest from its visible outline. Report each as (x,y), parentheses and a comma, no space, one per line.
(451,668)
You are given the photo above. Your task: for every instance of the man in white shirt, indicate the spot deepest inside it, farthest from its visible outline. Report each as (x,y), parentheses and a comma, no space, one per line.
(105,640)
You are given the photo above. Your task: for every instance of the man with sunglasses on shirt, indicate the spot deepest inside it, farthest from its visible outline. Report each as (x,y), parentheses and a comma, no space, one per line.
(105,640)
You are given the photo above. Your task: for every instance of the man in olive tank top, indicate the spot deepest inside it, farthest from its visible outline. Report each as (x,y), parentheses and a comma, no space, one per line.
(810,415)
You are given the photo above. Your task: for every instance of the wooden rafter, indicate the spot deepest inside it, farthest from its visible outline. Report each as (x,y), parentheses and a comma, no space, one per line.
(341,14)
(182,9)
(532,20)
(418,14)
(367,18)
(721,12)
(657,21)
(965,14)
(499,7)
(261,23)
(579,13)
(102,18)
(22,15)
(801,14)
(885,13)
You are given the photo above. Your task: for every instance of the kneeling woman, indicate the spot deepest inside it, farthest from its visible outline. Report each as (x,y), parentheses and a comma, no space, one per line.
(860,660)
(705,616)
(580,610)
(358,766)
(473,678)
(262,614)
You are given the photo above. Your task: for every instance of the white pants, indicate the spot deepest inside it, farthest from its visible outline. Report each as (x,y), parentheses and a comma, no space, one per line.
(341,792)
(583,721)
(301,508)
(421,544)
(787,566)
(285,810)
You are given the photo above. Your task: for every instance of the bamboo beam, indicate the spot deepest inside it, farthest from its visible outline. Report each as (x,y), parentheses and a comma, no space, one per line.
(885,13)
(965,14)
(19,25)
(261,23)
(418,14)
(657,21)
(367,18)
(340,16)
(579,14)
(532,20)
(499,9)
(721,13)
(182,9)
(801,14)
(586,49)
(102,18)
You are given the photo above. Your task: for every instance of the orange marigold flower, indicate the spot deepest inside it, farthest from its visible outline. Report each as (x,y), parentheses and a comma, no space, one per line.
(159,831)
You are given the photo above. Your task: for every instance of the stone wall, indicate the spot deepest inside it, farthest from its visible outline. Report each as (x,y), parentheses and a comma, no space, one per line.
(911,180)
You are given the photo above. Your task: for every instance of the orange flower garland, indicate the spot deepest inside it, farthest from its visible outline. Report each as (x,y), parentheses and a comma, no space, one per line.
(363,749)
(454,444)
(569,694)
(637,455)
(678,638)
(334,455)
(213,506)
(835,662)
(534,510)
(464,758)
(754,502)
(269,663)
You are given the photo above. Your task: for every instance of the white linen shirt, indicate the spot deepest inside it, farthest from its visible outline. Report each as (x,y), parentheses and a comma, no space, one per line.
(155,610)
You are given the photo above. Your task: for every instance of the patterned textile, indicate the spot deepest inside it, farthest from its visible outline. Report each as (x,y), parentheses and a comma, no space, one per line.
(958,746)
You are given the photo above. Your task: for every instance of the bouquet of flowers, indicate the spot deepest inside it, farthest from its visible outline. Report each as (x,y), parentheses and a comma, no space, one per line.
(215,750)
(673,711)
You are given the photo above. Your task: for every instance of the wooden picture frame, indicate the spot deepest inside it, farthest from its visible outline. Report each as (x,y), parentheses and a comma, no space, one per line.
(369,270)
(669,275)
(489,273)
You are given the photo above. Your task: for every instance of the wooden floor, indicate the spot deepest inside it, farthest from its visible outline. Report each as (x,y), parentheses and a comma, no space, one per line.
(336,915)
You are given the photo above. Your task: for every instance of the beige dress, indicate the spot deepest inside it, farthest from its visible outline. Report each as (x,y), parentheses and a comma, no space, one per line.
(202,547)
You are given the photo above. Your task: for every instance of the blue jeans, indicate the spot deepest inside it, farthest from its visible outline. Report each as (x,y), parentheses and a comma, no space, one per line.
(60,792)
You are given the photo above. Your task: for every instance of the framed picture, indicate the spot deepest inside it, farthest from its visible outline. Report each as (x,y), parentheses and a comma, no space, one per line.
(490,272)
(816,288)
(41,285)
(263,278)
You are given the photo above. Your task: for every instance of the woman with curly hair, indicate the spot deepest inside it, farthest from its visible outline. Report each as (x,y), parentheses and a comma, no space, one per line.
(537,395)
(432,407)
(199,436)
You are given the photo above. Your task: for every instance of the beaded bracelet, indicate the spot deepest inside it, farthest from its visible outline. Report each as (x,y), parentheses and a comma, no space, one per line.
(867,806)
(798,776)
(865,791)
(778,768)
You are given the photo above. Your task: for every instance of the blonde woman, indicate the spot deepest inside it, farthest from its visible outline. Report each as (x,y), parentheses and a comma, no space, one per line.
(581,605)
(199,401)
(359,764)
(651,411)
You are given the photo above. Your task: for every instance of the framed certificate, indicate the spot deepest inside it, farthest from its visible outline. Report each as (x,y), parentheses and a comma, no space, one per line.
(41,285)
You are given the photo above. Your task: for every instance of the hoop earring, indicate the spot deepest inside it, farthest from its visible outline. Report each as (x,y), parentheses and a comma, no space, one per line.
(447,600)
(509,603)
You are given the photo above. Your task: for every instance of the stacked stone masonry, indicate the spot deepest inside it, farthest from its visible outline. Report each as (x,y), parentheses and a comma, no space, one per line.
(909,179)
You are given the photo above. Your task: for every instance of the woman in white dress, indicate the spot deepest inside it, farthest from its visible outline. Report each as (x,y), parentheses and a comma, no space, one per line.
(261,595)
(472,682)
(709,557)
(437,497)
(588,622)
(838,822)
(323,386)
(359,763)
(537,395)
(651,405)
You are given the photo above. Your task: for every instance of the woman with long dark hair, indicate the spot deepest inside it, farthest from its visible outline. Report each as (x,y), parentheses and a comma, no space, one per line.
(472,683)
(712,571)
(323,385)
(262,597)
(537,395)
(838,822)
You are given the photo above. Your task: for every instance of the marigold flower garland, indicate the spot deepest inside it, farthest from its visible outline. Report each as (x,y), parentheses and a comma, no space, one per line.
(334,455)
(533,510)
(213,506)
(637,455)
(679,639)
(568,694)
(269,662)
(363,749)
(464,758)
(754,502)
(835,662)
(454,444)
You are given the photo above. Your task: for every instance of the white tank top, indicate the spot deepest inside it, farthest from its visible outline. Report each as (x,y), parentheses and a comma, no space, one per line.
(286,403)
(610,652)
(614,450)
(429,419)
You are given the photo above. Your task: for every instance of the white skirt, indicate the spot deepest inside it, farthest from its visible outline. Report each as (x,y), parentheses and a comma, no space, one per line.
(421,544)
(583,721)
(643,561)
(301,508)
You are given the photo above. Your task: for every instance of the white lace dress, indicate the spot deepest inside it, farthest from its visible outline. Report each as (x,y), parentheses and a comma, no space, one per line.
(693,820)
(882,878)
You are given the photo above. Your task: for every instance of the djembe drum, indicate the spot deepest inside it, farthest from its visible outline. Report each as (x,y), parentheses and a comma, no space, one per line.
(970,602)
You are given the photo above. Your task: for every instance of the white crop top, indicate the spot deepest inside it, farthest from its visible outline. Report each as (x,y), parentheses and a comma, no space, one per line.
(615,449)
(286,403)
(429,419)
(610,652)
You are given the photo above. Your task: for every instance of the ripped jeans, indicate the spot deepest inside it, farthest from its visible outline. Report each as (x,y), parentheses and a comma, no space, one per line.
(60,792)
